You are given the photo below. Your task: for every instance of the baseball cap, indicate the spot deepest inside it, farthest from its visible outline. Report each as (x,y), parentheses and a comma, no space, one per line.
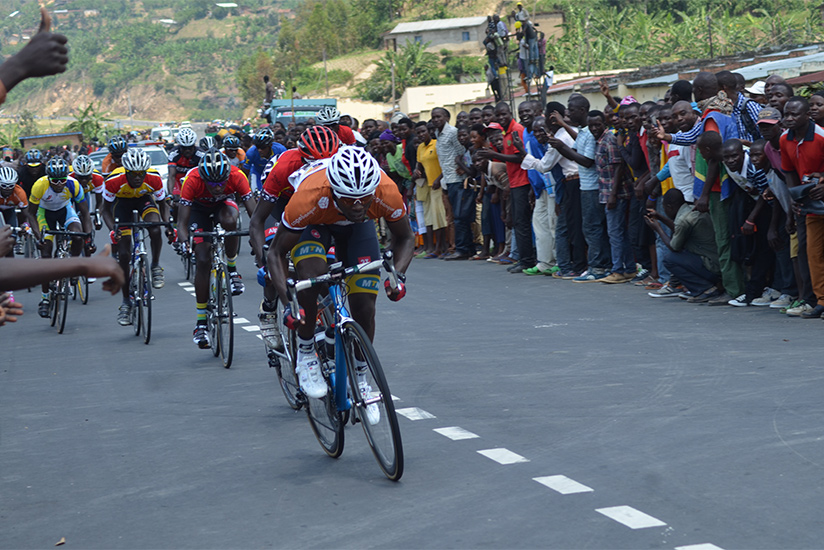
(495,126)
(757,88)
(770,115)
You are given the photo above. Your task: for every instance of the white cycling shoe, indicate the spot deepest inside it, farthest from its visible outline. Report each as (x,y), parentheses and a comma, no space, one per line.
(309,377)
(373,413)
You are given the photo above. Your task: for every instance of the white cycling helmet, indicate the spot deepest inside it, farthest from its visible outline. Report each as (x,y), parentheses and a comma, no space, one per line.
(327,116)
(186,137)
(8,177)
(136,160)
(83,165)
(352,172)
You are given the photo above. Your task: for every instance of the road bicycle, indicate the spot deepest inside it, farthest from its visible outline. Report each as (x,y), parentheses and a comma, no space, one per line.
(140,280)
(349,360)
(60,290)
(219,312)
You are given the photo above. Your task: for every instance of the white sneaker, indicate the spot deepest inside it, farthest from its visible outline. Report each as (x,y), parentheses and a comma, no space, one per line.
(309,377)
(373,413)
(768,297)
(797,311)
(741,301)
(268,321)
(783,301)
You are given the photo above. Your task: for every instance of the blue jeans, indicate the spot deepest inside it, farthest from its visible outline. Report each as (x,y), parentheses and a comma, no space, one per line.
(690,271)
(463,213)
(623,259)
(660,248)
(595,232)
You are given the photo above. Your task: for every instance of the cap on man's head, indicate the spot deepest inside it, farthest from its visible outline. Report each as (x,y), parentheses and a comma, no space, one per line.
(770,115)
(757,88)
(494,126)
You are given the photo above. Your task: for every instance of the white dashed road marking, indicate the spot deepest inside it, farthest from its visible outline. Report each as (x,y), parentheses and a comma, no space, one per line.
(185,284)
(251,328)
(455,433)
(414,413)
(563,485)
(241,320)
(503,456)
(705,546)
(629,516)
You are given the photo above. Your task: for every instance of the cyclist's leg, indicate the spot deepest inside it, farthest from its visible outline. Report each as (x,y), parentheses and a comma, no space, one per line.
(150,213)
(200,220)
(355,244)
(122,209)
(71,222)
(46,219)
(309,257)
(227,214)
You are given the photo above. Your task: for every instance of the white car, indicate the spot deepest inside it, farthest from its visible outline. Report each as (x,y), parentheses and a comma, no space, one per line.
(160,160)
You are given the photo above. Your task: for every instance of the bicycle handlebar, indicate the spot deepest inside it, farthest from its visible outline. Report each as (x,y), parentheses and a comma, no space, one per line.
(336,274)
(220,233)
(67,233)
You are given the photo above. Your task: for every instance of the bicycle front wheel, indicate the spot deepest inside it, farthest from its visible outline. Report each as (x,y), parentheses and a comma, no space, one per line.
(145,299)
(138,273)
(284,363)
(54,301)
(225,317)
(82,287)
(326,422)
(372,400)
(63,291)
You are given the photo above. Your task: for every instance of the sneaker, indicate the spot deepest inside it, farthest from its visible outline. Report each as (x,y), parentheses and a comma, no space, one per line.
(781,302)
(665,291)
(158,279)
(793,305)
(124,315)
(237,283)
(589,277)
(535,271)
(686,294)
(516,268)
(201,337)
(309,378)
(614,279)
(769,296)
(566,275)
(721,300)
(373,413)
(640,275)
(797,311)
(813,313)
(268,321)
(43,309)
(654,286)
(710,294)
(741,301)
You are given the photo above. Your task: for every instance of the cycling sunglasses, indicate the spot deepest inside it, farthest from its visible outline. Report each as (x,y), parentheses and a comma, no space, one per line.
(351,202)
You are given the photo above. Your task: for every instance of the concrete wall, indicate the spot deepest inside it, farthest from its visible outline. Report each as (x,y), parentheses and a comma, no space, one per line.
(450,39)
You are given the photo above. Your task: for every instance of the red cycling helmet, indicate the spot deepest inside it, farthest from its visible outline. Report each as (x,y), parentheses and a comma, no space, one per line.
(318,142)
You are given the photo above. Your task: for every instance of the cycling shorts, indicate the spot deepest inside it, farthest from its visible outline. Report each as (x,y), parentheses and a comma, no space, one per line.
(123,208)
(354,244)
(49,219)
(204,218)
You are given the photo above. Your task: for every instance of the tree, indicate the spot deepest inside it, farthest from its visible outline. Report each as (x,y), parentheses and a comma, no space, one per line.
(88,121)
(249,77)
(414,66)
(28,126)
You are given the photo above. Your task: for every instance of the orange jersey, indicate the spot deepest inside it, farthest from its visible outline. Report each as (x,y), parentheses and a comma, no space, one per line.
(195,189)
(313,204)
(116,186)
(277,183)
(108,165)
(17,199)
(95,184)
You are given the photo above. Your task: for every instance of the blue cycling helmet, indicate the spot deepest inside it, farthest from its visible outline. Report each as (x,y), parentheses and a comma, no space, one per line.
(214,167)
(57,168)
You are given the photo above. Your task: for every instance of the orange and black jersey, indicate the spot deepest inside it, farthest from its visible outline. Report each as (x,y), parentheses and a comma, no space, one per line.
(195,189)
(277,183)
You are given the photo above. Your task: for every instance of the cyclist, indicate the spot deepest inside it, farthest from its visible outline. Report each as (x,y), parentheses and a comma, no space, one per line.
(182,158)
(117,148)
(12,197)
(233,151)
(330,117)
(31,169)
(338,199)
(207,198)
(83,171)
(52,201)
(318,142)
(206,143)
(264,148)
(135,186)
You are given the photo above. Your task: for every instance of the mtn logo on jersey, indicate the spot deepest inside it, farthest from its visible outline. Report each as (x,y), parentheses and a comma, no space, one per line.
(397,214)
(324,202)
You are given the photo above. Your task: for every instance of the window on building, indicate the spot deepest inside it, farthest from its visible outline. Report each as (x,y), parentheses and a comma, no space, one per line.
(418,39)
(466,36)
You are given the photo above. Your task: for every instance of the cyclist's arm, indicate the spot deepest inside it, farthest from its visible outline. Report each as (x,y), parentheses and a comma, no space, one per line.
(107,214)
(184,212)
(257,223)
(171,179)
(85,218)
(32,212)
(403,243)
(163,206)
(276,262)
(251,204)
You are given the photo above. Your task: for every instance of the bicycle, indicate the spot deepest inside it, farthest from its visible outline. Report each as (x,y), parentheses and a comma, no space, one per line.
(219,312)
(59,291)
(339,363)
(140,281)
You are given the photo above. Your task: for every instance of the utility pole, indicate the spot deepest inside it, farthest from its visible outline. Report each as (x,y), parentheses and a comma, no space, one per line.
(325,72)
(709,29)
(393,85)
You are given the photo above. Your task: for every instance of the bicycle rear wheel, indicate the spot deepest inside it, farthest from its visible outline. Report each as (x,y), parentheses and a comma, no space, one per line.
(144,297)
(383,433)
(81,289)
(212,314)
(225,317)
(63,291)
(54,302)
(284,364)
(134,296)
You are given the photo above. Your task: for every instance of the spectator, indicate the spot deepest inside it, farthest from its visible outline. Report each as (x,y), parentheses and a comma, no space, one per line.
(429,192)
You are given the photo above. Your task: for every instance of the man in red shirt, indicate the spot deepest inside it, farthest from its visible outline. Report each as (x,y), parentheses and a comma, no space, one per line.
(206,198)
(802,155)
(519,186)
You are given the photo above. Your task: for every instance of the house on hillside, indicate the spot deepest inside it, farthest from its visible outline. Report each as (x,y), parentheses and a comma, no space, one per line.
(461,35)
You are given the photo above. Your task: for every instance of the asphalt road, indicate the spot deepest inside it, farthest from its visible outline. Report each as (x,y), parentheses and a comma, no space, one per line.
(647,423)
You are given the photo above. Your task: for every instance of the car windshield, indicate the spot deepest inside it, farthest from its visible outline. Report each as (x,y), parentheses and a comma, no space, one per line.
(158,157)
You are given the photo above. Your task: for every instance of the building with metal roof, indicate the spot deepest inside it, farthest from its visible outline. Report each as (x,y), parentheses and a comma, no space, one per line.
(458,35)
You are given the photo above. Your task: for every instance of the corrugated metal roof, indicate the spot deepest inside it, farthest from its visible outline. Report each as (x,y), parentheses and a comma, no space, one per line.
(807,78)
(438,24)
(760,71)
(656,81)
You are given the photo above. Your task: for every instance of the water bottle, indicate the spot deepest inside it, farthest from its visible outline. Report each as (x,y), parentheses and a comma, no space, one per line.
(329,338)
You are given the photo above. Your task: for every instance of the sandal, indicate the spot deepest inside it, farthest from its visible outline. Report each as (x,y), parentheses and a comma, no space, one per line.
(430,256)
(479,257)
